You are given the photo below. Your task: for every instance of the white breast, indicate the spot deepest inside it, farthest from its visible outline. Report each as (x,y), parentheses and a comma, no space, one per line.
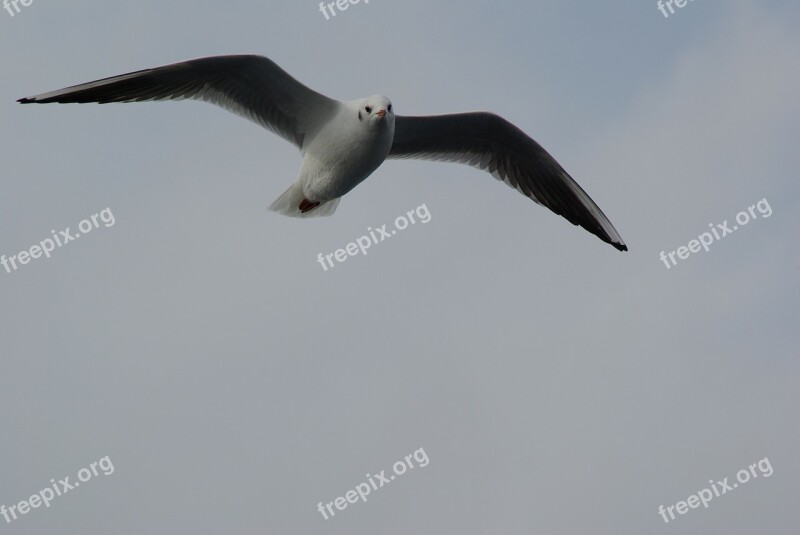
(342,154)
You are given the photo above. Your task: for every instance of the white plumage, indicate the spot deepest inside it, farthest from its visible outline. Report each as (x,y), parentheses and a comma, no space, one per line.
(342,143)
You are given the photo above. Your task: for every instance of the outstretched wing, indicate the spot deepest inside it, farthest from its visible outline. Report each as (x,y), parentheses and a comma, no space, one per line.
(253,87)
(489,142)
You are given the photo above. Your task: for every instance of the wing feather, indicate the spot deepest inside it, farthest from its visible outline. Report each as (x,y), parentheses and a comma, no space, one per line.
(489,142)
(253,87)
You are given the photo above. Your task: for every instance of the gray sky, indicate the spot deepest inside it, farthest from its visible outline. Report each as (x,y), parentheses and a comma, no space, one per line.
(555,384)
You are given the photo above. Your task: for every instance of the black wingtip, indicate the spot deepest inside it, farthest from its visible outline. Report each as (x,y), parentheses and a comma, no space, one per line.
(620,246)
(26,100)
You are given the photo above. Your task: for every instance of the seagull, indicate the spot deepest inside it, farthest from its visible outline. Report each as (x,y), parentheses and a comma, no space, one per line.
(343,142)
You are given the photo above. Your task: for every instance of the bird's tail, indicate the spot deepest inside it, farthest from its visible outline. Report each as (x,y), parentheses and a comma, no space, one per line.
(294,204)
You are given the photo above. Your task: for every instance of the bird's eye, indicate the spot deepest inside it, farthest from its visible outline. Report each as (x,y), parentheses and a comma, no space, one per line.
(390,107)
(369,109)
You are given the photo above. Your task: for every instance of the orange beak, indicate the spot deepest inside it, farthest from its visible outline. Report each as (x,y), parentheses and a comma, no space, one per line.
(381,113)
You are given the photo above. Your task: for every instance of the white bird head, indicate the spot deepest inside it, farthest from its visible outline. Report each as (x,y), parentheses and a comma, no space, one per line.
(376,111)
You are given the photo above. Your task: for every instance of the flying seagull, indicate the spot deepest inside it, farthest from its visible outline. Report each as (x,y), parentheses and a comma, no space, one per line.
(342,143)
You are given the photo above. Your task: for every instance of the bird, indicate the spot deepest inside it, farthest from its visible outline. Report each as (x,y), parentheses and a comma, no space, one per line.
(344,142)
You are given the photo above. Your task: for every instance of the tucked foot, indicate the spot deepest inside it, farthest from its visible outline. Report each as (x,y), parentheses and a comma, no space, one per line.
(307,206)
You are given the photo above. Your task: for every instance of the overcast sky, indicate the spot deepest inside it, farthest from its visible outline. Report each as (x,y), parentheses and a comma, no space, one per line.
(555,384)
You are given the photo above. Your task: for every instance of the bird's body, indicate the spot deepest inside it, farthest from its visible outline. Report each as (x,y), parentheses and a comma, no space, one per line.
(345,151)
(342,143)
